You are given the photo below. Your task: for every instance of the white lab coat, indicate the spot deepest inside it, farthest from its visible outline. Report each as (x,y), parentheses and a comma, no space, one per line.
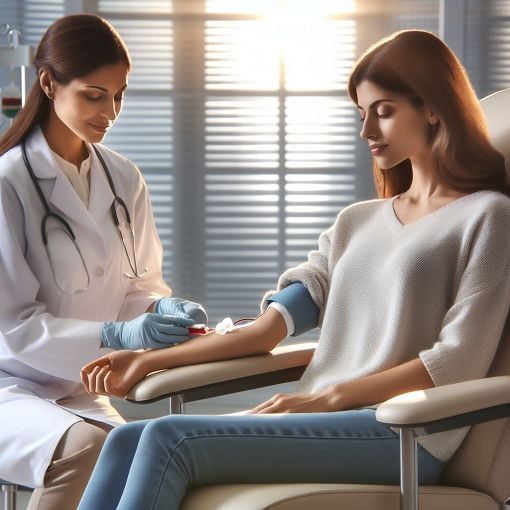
(47,336)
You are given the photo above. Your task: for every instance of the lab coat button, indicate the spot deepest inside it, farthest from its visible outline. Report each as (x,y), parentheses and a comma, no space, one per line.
(98,271)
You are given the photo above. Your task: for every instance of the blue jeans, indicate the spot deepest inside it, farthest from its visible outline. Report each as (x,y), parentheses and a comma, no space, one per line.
(150,464)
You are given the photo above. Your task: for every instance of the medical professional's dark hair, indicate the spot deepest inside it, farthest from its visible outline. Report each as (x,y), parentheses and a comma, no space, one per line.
(71,47)
(417,64)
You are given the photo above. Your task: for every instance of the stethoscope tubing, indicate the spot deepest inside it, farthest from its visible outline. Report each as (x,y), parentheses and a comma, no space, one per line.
(113,209)
(58,217)
(116,198)
(48,214)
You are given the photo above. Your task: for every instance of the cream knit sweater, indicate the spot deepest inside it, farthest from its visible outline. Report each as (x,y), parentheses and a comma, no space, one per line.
(437,288)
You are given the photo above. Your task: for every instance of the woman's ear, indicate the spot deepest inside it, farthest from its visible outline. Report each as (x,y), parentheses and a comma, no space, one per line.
(46,83)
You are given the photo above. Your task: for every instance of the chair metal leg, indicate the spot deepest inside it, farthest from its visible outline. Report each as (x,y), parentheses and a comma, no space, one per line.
(9,496)
(408,470)
(177,405)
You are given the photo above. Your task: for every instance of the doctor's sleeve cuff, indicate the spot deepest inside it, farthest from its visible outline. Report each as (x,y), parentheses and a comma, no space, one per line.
(299,304)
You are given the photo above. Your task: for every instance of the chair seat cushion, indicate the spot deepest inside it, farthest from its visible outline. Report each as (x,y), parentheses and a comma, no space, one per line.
(329,497)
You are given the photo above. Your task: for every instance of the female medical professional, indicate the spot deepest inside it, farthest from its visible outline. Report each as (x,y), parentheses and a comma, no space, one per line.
(80,262)
(411,291)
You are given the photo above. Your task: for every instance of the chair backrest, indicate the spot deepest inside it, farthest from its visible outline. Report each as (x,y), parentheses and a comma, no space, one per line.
(483,460)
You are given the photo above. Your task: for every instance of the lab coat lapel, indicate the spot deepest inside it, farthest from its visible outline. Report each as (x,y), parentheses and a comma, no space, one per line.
(59,192)
(64,198)
(67,200)
(61,197)
(39,155)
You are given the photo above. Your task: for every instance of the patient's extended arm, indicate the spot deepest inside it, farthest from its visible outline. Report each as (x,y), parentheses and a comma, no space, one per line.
(116,373)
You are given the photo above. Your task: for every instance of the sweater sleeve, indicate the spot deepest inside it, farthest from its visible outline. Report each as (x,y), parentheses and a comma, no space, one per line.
(313,274)
(473,325)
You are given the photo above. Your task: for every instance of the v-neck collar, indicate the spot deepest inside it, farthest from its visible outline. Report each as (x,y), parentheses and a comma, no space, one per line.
(397,226)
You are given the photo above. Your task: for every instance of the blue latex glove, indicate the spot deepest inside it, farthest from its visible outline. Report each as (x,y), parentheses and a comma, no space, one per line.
(148,331)
(178,307)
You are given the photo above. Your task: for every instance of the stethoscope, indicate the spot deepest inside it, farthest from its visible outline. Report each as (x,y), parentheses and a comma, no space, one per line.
(117,202)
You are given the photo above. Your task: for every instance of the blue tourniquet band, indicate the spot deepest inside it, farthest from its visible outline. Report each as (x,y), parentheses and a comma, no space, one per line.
(300,305)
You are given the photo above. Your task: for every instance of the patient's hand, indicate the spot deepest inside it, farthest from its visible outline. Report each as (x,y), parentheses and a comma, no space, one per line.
(297,403)
(114,374)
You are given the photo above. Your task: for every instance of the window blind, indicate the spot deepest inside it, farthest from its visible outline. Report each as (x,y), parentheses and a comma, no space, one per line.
(237,116)
(488,44)
(31,17)
(272,114)
(276,152)
(144,132)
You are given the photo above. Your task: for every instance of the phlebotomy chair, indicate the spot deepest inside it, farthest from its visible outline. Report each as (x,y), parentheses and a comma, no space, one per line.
(476,478)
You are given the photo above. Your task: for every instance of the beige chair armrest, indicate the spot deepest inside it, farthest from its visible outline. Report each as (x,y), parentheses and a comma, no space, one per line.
(282,364)
(443,402)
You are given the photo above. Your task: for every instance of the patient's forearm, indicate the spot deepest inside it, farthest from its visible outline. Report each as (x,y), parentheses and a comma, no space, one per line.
(379,387)
(257,338)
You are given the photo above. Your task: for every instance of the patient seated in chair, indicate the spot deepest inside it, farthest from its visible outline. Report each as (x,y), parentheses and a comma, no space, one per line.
(404,289)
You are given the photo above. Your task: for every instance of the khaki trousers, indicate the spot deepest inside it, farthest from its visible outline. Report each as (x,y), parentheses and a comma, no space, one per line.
(71,467)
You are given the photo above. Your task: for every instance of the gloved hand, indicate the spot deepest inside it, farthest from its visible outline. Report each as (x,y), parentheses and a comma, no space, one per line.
(148,331)
(178,307)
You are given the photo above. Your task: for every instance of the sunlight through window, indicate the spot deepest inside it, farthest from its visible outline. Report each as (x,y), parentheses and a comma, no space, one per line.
(297,45)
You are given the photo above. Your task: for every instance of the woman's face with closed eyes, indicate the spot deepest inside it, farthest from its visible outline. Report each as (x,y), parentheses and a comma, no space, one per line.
(394,128)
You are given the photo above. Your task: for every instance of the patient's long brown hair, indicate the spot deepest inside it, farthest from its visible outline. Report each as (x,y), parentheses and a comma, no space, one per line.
(72,46)
(417,64)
